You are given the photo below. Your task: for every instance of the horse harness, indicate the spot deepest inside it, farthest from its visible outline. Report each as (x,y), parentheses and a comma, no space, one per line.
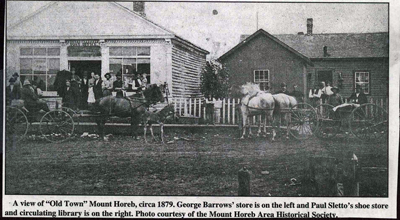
(249,107)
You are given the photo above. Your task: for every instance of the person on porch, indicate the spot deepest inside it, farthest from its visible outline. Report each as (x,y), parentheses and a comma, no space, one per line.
(358,97)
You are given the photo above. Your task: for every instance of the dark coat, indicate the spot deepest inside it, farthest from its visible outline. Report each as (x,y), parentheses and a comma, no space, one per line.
(71,97)
(117,84)
(97,90)
(14,94)
(361,99)
(30,97)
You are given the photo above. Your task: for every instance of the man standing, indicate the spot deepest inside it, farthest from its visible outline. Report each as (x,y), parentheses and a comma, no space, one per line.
(84,90)
(335,99)
(297,94)
(358,97)
(12,92)
(70,98)
(283,89)
(97,90)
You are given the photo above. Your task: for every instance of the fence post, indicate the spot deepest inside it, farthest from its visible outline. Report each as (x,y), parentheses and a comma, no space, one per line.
(229,107)
(223,110)
(180,106)
(195,107)
(244,182)
(233,111)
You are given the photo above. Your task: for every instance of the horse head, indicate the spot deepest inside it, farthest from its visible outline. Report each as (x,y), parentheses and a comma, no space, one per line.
(154,93)
(249,89)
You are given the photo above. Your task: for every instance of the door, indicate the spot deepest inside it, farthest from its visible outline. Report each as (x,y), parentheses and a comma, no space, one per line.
(326,76)
(88,66)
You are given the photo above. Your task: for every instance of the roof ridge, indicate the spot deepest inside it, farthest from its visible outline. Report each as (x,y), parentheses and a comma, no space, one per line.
(147,19)
(382,32)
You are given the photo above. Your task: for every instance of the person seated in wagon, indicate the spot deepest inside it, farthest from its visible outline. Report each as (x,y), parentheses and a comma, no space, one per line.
(32,101)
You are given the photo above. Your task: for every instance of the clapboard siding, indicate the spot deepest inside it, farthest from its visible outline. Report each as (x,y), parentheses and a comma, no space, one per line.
(186,70)
(378,69)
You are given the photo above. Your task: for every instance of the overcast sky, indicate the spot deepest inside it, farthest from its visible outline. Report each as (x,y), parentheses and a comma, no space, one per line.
(197,23)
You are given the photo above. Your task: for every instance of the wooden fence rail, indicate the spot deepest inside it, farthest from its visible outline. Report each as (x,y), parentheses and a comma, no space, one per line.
(225,111)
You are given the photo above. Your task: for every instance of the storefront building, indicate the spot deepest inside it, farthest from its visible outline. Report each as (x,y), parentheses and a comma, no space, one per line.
(102,37)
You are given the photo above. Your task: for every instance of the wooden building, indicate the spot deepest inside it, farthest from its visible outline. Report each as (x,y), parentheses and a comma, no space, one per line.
(102,37)
(343,59)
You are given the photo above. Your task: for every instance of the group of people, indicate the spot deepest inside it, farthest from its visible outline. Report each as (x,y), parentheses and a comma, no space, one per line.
(28,91)
(325,92)
(295,92)
(82,93)
(330,95)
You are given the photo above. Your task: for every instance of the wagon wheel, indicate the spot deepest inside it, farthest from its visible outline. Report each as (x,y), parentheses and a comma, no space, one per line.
(369,123)
(16,124)
(328,121)
(57,126)
(303,121)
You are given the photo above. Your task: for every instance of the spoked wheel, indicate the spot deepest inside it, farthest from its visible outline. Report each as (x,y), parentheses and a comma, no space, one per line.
(303,121)
(328,121)
(369,123)
(57,126)
(16,124)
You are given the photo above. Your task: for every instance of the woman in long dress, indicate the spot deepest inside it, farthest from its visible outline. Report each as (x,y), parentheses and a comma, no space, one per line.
(91,98)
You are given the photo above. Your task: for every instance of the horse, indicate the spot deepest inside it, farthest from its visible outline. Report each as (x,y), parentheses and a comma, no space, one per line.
(123,107)
(283,102)
(155,116)
(256,102)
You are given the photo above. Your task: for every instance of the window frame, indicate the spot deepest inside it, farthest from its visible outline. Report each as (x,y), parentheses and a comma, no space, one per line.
(369,80)
(268,81)
(32,57)
(136,57)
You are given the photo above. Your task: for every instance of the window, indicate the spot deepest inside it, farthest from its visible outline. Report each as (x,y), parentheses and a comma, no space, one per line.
(362,78)
(262,78)
(130,61)
(40,64)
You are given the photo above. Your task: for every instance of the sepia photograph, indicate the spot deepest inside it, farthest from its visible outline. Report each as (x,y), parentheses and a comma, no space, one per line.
(218,99)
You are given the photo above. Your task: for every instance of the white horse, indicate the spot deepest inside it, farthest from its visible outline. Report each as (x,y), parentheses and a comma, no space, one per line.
(283,103)
(256,102)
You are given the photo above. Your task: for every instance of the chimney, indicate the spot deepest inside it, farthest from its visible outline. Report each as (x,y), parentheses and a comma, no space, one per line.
(309,26)
(326,54)
(138,7)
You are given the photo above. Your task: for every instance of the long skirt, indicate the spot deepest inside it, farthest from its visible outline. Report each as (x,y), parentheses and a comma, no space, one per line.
(91,98)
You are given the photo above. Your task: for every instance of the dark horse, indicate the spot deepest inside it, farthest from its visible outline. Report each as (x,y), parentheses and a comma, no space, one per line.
(133,107)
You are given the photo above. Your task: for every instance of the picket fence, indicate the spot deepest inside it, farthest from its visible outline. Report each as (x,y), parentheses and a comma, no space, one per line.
(225,111)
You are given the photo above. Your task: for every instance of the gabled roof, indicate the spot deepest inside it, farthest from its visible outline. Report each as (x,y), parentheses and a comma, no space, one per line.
(263,32)
(339,45)
(77,20)
(89,20)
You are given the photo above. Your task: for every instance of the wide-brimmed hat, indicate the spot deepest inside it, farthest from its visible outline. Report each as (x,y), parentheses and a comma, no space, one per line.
(107,74)
(26,82)
(16,74)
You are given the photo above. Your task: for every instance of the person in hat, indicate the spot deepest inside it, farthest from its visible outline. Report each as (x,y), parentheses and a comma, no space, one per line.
(283,89)
(335,99)
(84,90)
(17,81)
(297,94)
(358,97)
(107,85)
(97,87)
(12,91)
(31,100)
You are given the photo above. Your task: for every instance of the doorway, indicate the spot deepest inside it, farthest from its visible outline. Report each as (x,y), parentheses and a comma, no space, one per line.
(88,66)
(326,76)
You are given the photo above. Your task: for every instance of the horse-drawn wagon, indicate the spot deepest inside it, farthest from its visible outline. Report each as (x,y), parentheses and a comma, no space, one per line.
(367,122)
(58,124)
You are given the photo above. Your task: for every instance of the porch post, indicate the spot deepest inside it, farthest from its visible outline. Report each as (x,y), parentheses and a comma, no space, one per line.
(105,66)
(305,82)
(63,55)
